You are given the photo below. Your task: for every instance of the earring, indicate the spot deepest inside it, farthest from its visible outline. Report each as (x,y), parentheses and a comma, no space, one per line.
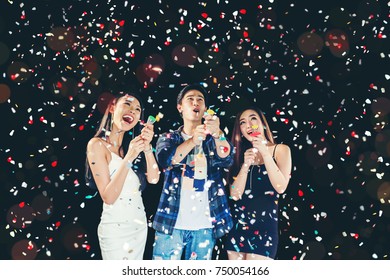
(109,124)
(112,122)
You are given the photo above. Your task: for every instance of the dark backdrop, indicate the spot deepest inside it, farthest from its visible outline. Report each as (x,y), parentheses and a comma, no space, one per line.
(319,70)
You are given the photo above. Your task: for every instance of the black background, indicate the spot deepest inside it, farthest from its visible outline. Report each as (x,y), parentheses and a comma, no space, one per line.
(330,106)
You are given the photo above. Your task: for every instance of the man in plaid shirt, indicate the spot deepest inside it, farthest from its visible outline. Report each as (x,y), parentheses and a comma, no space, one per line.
(193,210)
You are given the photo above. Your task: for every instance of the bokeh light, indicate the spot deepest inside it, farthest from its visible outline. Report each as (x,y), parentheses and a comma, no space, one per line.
(5,93)
(384,193)
(184,55)
(24,250)
(19,72)
(20,215)
(60,38)
(382,143)
(338,43)
(310,43)
(74,238)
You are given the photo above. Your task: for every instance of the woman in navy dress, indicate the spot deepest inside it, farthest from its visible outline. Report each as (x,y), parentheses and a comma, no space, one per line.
(260,173)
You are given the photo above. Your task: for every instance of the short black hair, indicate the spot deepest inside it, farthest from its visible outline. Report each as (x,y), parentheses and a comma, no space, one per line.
(187,88)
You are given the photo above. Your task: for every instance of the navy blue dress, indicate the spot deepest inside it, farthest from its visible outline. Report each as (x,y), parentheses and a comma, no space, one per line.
(255,216)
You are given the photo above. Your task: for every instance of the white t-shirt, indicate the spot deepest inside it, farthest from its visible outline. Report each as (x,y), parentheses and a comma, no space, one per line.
(194,210)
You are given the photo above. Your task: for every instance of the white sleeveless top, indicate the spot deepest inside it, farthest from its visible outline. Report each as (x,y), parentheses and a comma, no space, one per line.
(129,207)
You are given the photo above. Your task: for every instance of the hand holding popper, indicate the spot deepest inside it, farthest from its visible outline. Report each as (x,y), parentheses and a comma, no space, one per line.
(148,132)
(257,133)
(151,119)
(211,122)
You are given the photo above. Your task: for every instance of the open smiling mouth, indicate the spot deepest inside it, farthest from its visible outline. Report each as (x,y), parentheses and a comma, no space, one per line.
(128,119)
(253,133)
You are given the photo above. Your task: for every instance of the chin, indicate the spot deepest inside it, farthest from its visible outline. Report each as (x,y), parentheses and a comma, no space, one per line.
(127,127)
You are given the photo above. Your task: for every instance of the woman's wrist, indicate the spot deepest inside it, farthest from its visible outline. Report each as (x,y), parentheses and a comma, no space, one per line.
(219,136)
(149,150)
(244,168)
(129,164)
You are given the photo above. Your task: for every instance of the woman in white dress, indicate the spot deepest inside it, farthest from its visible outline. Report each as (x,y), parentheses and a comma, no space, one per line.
(121,160)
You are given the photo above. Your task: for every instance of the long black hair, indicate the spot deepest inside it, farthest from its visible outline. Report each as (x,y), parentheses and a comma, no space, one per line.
(139,164)
(241,144)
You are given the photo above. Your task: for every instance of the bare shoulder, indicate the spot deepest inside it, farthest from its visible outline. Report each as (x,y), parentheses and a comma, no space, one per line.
(282,151)
(282,147)
(95,145)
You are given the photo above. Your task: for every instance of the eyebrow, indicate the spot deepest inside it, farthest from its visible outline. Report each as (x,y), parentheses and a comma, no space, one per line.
(193,95)
(251,115)
(131,102)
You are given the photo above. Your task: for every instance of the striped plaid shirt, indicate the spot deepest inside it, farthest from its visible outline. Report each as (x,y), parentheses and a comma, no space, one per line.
(168,208)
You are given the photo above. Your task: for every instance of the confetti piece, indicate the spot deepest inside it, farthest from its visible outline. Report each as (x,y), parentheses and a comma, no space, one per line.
(210,112)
